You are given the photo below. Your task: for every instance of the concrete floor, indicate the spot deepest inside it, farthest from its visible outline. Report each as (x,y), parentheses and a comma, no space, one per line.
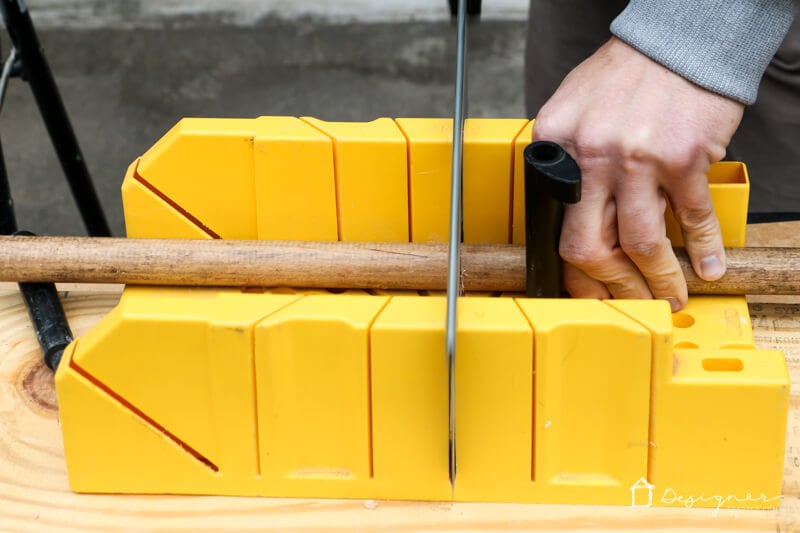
(124,88)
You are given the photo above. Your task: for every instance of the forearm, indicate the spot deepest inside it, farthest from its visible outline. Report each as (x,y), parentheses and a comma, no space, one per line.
(721,45)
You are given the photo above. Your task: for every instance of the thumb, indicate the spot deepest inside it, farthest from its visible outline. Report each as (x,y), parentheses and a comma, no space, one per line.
(695,214)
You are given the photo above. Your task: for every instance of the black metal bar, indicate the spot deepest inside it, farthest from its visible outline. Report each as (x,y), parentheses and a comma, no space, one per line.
(552,178)
(8,222)
(49,321)
(37,72)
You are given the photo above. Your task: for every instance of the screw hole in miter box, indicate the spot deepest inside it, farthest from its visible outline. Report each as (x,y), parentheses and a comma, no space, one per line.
(686,344)
(682,320)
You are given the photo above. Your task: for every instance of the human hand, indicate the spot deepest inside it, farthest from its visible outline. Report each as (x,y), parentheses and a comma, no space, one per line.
(638,132)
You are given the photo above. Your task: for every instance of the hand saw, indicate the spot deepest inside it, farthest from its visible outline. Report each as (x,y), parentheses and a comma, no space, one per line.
(454,286)
(552,178)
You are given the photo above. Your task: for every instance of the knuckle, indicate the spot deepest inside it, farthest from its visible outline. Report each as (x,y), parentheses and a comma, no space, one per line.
(643,144)
(683,156)
(665,281)
(693,158)
(715,152)
(548,126)
(547,133)
(676,160)
(541,128)
(596,142)
(634,154)
(698,218)
(583,255)
(644,247)
(680,164)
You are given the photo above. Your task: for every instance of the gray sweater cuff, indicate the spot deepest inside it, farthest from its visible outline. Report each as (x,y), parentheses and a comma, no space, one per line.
(721,45)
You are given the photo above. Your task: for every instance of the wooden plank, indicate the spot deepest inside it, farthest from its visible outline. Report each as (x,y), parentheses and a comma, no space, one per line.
(774,234)
(35,495)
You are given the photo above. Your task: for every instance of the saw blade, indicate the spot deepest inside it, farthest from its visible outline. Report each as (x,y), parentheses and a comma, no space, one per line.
(454,263)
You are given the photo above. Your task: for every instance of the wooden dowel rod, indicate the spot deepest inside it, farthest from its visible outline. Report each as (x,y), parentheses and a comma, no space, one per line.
(334,265)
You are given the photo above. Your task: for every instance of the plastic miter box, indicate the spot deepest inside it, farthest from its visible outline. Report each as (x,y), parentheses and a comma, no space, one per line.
(284,392)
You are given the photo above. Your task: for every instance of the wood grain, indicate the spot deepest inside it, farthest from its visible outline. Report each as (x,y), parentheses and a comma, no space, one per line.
(335,265)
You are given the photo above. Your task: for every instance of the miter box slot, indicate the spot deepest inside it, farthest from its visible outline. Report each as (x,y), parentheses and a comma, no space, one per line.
(175,205)
(142,416)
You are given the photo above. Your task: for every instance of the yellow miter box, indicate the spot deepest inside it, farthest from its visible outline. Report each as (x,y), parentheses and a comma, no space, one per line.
(287,178)
(209,391)
(307,393)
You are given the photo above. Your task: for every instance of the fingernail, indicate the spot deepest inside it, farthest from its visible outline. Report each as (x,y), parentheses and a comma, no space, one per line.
(673,303)
(711,268)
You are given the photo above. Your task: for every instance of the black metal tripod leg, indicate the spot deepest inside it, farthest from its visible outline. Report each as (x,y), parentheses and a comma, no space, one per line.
(8,222)
(37,72)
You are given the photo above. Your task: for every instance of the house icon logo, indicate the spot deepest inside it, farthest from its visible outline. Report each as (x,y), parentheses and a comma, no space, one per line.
(638,491)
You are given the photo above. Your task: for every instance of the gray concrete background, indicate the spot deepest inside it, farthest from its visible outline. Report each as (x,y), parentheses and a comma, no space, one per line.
(125,86)
(158,13)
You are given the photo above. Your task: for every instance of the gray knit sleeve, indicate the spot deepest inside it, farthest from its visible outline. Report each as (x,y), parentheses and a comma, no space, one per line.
(721,45)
